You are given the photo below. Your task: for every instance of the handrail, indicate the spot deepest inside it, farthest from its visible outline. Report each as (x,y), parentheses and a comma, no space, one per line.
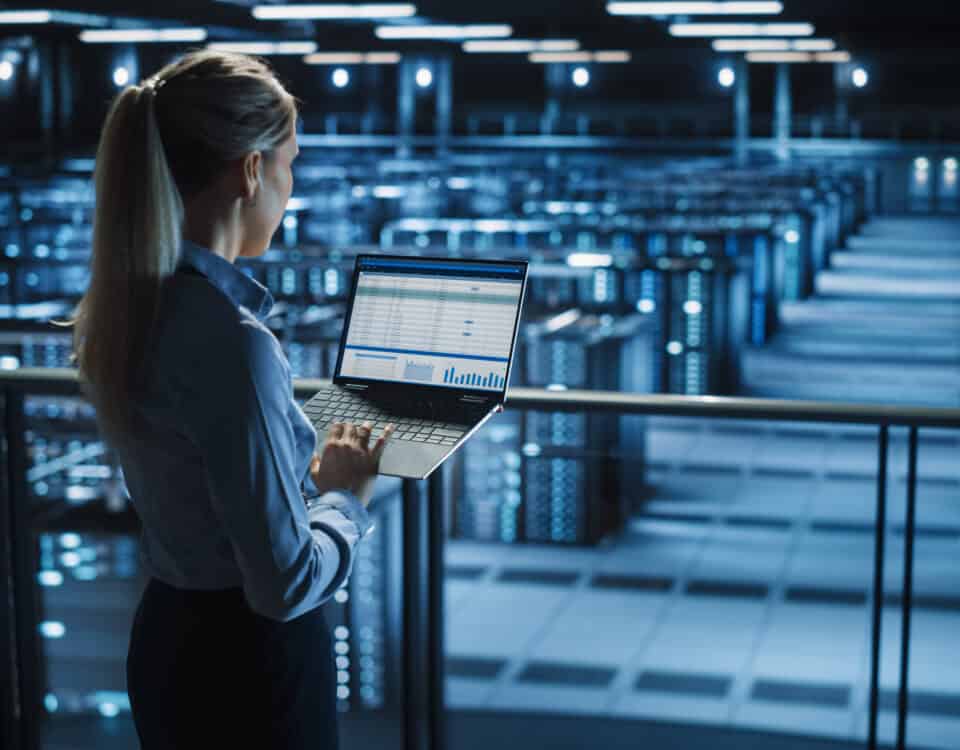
(64,381)
(725,407)
(799,146)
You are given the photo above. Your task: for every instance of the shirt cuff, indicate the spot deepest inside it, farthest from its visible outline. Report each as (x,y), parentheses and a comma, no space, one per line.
(346,503)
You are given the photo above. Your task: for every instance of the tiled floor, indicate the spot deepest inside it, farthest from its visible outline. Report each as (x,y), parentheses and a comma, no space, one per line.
(739,596)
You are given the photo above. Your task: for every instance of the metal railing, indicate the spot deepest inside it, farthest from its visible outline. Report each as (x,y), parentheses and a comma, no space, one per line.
(896,127)
(422,666)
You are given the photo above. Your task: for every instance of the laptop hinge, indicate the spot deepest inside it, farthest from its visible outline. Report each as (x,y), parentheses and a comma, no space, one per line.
(355,386)
(474,399)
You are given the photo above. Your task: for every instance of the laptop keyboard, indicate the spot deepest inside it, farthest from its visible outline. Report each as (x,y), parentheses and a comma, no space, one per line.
(336,405)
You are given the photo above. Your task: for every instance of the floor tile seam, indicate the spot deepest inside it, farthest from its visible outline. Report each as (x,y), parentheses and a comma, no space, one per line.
(740,689)
(516,664)
(490,574)
(622,683)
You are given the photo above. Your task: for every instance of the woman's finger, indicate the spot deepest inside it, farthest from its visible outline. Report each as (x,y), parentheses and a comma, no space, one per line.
(363,433)
(336,431)
(349,432)
(382,442)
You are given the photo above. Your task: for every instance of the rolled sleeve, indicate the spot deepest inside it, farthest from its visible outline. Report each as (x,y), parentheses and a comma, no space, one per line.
(348,505)
(237,413)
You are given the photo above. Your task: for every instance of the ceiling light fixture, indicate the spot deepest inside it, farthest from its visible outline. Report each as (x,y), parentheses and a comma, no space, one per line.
(136,36)
(603,56)
(521,45)
(266,48)
(814,45)
(751,45)
(694,8)
(834,57)
(741,29)
(334,12)
(798,57)
(458,33)
(352,58)
(773,45)
(35,17)
(580,77)
(25,16)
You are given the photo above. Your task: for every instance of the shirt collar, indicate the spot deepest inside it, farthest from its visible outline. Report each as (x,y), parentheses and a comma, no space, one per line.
(242,290)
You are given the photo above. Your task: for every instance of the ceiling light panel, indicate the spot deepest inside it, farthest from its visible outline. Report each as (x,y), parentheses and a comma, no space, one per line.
(341,11)
(477,31)
(741,29)
(139,36)
(694,8)
(814,45)
(266,48)
(798,57)
(34,17)
(520,45)
(25,16)
(601,56)
(773,45)
(353,58)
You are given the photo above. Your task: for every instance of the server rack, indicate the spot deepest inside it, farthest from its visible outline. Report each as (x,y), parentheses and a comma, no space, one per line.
(702,314)
(554,477)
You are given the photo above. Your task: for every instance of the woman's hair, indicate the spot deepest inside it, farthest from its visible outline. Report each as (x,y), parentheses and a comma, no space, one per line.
(162,142)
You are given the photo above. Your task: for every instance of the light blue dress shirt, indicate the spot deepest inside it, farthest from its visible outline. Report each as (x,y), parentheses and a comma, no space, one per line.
(220,458)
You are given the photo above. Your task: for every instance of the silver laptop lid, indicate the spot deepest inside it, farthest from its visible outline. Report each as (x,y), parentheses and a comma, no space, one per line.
(448,324)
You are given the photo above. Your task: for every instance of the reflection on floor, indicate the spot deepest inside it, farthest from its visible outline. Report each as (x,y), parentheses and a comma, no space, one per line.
(740,595)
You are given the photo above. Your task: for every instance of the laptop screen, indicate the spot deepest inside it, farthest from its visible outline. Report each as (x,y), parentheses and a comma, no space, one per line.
(431,321)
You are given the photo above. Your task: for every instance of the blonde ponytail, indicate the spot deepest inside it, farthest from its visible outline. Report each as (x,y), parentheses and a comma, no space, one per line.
(136,231)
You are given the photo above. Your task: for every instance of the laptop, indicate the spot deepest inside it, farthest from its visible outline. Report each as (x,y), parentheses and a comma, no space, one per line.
(427,345)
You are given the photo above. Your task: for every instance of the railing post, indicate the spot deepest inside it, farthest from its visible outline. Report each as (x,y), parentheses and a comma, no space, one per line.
(9,686)
(909,533)
(415,735)
(878,561)
(423,652)
(22,674)
(435,616)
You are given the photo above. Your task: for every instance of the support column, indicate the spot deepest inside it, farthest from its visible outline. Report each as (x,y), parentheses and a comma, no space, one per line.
(444,121)
(741,106)
(406,103)
(555,74)
(841,105)
(782,113)
(64,93)
(373,80)
(46,68)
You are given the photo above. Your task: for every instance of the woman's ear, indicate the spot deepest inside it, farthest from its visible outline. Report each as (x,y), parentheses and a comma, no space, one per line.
(252,164)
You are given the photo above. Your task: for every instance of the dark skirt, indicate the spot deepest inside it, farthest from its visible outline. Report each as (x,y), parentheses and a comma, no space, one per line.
(205,671)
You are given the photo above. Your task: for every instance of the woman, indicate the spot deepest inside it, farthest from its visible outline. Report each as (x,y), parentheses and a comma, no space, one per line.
(229,646)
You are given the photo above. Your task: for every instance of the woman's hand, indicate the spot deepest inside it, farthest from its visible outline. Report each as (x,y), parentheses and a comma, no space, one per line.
(347,461)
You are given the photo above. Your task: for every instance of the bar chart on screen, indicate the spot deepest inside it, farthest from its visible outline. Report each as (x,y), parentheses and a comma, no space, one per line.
(452,376)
